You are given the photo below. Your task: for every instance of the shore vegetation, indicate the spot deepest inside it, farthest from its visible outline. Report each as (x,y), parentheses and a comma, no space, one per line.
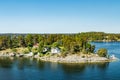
(62,46)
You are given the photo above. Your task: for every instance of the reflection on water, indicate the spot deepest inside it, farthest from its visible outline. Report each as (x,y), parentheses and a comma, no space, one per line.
(73,68)
(102,66)
(22,63)
(41,65)
(33,69)
(6,62)
(79,68)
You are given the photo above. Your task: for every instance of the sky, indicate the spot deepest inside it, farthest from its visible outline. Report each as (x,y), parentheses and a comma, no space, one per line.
(59,16)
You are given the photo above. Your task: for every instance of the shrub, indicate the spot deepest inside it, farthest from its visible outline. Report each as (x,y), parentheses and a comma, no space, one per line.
(26,51)
(14,50)
(64,54)
(84,51)
(76,48)
(41,55)
(35,51)
(29,48)
(83,56)
(102,52)
(47,54)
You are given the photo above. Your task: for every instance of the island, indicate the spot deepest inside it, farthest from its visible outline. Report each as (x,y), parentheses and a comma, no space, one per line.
(62,48)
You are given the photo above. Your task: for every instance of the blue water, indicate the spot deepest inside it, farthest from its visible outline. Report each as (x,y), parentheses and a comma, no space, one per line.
(112,47)
(33,69)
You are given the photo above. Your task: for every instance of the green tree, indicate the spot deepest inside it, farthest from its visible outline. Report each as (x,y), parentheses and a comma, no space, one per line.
(56,44)
(35,38)
(21,41)
(29,40)
(76,48)
(9,42)
(15,42)
(35,51)
(40,47)
(102,52)
(92,48)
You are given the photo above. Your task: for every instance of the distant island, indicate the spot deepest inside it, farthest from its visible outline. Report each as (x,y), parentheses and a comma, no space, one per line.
(63,48)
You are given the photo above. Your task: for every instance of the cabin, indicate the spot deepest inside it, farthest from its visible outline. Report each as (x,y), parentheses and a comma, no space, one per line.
(55,50)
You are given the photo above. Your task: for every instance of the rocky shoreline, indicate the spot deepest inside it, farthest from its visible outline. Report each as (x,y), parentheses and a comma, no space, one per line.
(68,59)
(75,59)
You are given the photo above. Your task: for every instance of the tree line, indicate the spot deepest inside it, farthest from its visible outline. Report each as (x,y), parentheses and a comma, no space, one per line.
(68,43)
(101,36)
(71,43)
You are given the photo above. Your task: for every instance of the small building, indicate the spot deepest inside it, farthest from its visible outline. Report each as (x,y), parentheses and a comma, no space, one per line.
(55,50)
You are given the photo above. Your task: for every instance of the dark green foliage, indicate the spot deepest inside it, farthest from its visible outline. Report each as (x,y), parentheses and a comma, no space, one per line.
(29,48)
(40,47)
(92,48)
(35,38)
(88,47)
(35,51)
(56,44)
(72,43)
(29,40)
(102,52)
(15,42)
(21,41)
(100,36)
(9,43)
(76,48)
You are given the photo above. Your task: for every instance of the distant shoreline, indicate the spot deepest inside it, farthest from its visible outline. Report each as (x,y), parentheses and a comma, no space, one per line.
(105,41)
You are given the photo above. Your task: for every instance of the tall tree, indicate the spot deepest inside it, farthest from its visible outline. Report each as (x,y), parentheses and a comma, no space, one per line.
(29,40)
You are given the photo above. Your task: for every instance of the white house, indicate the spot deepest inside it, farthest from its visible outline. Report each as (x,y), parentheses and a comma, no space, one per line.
(55,50)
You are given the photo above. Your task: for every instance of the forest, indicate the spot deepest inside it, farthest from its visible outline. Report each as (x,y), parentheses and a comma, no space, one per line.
(67,43)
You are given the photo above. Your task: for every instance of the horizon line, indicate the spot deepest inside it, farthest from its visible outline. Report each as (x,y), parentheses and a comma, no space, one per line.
(56,32)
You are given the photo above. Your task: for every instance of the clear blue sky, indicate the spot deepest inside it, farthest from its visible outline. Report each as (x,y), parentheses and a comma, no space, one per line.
(59,16)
